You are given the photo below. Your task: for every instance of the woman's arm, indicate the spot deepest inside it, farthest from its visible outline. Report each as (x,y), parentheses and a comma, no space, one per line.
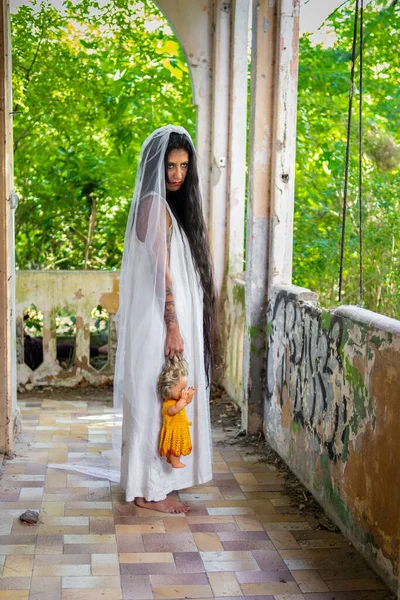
(174,341)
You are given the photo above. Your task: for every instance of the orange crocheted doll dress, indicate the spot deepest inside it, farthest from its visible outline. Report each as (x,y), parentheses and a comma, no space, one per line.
(175,434)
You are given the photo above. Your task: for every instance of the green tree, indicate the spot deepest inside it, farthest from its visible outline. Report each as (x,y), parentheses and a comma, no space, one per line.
(90,82)
(324,75)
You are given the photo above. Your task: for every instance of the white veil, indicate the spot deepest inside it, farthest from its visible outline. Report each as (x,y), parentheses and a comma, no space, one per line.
(144,261)
(140,318)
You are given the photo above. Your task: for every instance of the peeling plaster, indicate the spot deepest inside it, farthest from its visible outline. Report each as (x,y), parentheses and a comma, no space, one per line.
(51,290)
(216,172)
(331,411)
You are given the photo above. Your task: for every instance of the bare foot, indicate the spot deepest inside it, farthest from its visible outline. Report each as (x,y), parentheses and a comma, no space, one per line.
(166,506)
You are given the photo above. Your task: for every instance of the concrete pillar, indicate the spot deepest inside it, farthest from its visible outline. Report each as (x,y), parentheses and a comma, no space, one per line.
(49,336)
(284,154)
(6,350)
(233,290)
(82,340)
(237,134)
(219,137)
(204,31)
(271,178)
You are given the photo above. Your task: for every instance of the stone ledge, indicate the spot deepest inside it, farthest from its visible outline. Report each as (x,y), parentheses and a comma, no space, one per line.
(300,293)
(369,318)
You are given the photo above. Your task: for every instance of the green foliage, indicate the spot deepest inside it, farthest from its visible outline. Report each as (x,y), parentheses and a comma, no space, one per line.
(33,321)
(324,75)
(90,83)
(99,321)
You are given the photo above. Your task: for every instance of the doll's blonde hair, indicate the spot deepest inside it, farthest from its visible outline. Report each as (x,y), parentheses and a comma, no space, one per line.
(171,374)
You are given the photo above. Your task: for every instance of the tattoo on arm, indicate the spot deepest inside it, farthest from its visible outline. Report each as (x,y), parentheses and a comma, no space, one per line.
(170,313)
(170,317)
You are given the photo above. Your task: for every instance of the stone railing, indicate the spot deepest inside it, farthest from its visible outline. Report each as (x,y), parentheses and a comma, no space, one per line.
(76,292)
(233,337)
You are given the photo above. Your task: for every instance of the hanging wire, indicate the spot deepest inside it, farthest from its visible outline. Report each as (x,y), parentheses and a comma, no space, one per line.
(360,174)
(346,169)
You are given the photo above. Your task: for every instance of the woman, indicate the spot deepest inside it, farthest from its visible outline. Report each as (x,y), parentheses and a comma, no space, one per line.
(167,308)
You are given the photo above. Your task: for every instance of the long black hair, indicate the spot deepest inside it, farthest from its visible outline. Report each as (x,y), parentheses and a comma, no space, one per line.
(185,204)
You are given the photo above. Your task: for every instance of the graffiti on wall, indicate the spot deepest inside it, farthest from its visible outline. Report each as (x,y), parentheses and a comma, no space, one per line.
(305,369)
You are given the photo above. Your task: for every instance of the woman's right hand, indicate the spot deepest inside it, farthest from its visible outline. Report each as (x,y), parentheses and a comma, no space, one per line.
(174,341)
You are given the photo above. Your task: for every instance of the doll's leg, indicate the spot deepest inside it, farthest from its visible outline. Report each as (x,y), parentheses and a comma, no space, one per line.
(175,462)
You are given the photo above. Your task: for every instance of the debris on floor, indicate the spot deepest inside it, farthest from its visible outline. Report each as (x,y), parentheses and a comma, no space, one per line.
(226,414)
(31,517)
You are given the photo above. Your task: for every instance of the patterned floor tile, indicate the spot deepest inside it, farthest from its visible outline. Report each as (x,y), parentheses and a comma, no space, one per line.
(242,540)
(234,566)
(91,582)
(283,540)
(182,591)
(45,588)
(207,542)
(85,594)
(171,542)
(136,587)
(15,583)
(14,594)
(212,527)
(278,575)
(224,584)
(259,589)
(249,523)
(61,570)
(147,568)
(188,562)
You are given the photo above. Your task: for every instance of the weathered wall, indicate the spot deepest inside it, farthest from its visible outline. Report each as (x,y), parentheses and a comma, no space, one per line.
(331,411)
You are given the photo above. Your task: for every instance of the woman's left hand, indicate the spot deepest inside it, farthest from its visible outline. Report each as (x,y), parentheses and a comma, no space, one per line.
(174,345)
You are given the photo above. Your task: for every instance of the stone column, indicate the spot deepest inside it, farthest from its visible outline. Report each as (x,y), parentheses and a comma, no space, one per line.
(219,138)
(271,178)
(82,339)
(50,337)
(284,152)
(233,290)
(6,350)
(237,134)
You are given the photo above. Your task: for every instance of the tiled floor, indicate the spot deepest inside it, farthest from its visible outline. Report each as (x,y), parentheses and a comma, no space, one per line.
(242,539)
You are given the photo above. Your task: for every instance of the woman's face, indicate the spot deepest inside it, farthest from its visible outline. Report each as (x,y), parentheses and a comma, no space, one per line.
(177,168)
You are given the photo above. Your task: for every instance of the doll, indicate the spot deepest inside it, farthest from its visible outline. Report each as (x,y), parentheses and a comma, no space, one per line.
(175,436)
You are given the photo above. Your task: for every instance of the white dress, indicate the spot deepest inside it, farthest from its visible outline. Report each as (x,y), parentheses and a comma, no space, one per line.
(134,460)
(143,472)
